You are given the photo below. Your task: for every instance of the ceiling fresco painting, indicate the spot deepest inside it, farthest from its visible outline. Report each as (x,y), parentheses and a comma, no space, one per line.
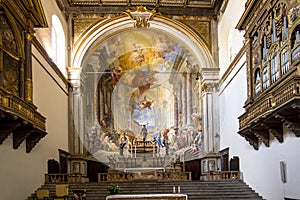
(143,91)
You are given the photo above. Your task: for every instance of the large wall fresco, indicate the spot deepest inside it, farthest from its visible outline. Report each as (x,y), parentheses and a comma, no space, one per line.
(142,100)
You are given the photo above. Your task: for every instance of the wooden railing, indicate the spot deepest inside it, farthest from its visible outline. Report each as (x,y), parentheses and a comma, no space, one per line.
(275,98)
(121,176)
(63,178)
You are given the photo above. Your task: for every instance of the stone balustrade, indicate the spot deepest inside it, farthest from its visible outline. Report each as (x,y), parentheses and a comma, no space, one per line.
(63,178)
(121,176)
(224,175)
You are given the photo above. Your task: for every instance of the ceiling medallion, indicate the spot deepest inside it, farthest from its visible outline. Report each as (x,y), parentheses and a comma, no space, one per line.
(141,15)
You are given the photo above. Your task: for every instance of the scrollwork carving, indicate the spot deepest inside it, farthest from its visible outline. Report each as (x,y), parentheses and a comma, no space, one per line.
(210,87)
(142,16)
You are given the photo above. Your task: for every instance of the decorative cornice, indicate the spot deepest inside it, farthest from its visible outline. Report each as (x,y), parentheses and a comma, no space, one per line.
(30,14)
(233,64)
(45,55)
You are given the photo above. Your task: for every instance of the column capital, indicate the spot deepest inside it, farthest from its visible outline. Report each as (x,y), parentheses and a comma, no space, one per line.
(210,79)
(210,74)
(210,87)
(74,74)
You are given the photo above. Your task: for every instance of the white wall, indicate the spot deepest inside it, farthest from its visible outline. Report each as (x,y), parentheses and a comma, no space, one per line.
(44,34)
(22,173)
(261,169)
(230,39)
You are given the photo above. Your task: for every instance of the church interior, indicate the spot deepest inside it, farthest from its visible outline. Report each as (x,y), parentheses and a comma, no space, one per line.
(158,99)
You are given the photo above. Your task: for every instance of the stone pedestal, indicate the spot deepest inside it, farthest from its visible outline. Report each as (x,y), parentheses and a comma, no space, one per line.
(210,164)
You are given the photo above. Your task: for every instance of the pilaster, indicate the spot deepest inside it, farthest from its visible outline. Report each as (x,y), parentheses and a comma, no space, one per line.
(209,91)
(77,149)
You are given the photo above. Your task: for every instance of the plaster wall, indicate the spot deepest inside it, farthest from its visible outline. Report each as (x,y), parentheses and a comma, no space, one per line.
(230,39)
(261,169)
(44,35)
(22,173)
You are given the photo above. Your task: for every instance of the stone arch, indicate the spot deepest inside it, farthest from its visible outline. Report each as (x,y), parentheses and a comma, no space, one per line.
(104,29)
(91,40)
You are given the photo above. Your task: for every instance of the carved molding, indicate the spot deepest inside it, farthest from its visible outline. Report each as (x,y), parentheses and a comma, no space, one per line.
(20,134)
(20,119)
(292,123)
(83,22)
(250,137)
(278,134)
(33,138)
(210,87)
(142,16)
(202,28)
(263,135)
(27,111)
(185,7)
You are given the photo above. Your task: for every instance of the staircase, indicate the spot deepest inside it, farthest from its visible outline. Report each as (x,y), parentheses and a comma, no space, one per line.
(196,190)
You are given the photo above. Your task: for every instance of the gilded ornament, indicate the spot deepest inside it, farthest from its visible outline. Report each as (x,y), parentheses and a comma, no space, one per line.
(141,15)
(82,22)
(202,28)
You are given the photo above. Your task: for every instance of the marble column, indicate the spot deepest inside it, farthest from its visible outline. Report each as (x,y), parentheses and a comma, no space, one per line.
(210,119)
(77,163)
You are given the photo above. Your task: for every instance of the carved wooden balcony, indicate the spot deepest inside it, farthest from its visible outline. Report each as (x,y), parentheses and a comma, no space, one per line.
(267,114)
(20,119)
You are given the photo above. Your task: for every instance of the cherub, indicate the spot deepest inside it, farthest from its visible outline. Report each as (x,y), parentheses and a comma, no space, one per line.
(144,103)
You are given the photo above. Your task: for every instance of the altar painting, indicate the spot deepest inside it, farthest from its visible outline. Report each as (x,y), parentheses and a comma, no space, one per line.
(143,96)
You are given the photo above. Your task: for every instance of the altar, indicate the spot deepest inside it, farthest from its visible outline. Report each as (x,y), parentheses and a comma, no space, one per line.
(148,197)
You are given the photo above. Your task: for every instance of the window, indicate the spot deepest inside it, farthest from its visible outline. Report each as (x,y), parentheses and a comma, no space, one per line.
(58,44)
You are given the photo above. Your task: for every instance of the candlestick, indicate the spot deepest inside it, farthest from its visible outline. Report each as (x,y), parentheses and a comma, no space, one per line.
(135,151)
(178,189)
(174,190)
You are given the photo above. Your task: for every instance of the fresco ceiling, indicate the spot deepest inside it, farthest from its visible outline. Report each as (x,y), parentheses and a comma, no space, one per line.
(145,51)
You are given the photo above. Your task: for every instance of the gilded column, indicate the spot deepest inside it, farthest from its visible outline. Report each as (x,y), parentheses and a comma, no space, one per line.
(248,44)
(26,69)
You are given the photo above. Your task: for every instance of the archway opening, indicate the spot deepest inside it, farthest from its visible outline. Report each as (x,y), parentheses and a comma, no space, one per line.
(137,79)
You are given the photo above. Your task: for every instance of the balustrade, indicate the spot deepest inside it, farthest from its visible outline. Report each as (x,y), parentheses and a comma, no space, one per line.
(122,176)
(224,175)
(63,178)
